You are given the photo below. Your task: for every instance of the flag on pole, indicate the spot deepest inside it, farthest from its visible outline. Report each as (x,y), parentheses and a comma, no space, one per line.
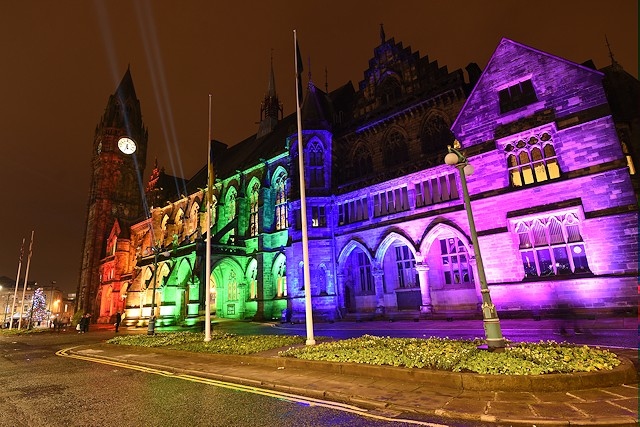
(210,172)
(303,204)
(299,69)
(207,273)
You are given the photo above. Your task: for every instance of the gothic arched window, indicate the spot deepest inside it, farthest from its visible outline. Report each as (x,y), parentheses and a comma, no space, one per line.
(315,155)
(232,286)
(395,149)
(253,209)
(389,91)
(362,162)
(532,160)
(232,212)
(281,205)
(280,276)
(252,278)
(552,245)
(436,136)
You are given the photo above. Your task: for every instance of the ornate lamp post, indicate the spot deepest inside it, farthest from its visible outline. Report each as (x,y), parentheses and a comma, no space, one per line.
(491,323)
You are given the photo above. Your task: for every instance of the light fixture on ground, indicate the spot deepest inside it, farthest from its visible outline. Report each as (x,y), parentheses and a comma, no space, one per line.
(491,323)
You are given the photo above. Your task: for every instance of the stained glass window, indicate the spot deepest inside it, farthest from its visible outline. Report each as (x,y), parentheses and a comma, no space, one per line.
(532,161)
(551,246)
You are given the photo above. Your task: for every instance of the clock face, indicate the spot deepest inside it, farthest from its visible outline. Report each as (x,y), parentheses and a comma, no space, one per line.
(127,145)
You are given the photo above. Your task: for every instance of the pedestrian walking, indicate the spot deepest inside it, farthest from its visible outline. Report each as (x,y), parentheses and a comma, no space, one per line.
(118,320)
(84,323)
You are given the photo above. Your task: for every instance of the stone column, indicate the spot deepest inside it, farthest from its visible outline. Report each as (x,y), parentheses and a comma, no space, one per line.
(378,284)
(340,285)
(425,289)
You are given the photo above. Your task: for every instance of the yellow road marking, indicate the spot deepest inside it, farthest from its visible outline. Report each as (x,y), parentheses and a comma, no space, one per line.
(249,389)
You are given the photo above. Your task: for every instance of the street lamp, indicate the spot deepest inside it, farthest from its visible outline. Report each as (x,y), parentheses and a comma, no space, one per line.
(490,320)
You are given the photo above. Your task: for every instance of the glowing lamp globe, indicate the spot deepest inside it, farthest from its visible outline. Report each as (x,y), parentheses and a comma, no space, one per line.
(451,159)
(468,169)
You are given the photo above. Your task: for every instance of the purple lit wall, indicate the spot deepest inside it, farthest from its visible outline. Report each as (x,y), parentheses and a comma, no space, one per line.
(552,197)
(585,204)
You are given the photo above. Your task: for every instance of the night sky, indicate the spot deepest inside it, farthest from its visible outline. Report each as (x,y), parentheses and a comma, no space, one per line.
(60,61)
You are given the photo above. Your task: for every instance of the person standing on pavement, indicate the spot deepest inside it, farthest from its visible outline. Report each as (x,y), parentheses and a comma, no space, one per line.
(84,323)
(118,320)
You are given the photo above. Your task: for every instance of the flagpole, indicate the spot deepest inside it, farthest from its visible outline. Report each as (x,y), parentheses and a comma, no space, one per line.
(26,276)
(303,209)
(15,293)
(207,274)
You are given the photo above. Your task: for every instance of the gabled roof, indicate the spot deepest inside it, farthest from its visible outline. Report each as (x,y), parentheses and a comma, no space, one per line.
(247,153)
(504,73)
(316,111)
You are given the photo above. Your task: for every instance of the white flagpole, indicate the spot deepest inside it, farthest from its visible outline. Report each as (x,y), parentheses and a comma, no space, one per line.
(15,293)
(207,274)
(26,276)
(303,210)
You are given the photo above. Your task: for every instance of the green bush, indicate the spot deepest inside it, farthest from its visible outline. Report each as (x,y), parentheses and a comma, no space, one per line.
(23,331)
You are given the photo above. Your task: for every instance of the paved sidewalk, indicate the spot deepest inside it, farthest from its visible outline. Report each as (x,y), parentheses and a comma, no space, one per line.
(396,391)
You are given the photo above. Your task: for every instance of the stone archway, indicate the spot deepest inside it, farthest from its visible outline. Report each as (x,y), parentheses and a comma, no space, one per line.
(356,280)
(449,258)
(227,278)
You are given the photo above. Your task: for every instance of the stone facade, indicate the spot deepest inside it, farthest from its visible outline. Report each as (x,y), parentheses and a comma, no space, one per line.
(114,192)
(552,196)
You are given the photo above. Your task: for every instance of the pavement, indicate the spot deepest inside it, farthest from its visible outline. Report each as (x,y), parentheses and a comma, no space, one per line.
(607,398)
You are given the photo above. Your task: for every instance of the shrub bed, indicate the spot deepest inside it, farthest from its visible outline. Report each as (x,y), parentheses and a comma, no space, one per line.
(543,357)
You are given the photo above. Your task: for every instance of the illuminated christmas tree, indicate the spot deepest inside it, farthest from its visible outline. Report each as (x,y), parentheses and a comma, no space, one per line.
(38,310)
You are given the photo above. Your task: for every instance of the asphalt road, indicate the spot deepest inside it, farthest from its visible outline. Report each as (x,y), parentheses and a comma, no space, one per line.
(38,388)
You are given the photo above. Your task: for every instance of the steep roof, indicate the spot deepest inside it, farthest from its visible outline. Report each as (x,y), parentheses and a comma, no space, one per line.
(513,62)
(316,111)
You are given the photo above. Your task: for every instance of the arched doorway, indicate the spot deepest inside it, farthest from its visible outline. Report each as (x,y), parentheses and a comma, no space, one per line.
(227,290)
(358,284)
(451,277)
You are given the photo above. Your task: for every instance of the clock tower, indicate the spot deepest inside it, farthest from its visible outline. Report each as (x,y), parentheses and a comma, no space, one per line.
(117,164)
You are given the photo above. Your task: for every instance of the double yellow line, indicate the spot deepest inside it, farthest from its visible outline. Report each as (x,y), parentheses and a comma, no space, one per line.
(310,401)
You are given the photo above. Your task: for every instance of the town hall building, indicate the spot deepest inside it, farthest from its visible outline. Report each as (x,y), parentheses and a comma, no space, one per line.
(554,194)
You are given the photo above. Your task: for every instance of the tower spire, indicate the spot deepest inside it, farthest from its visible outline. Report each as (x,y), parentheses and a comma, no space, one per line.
(326,80)
(614,63)
(271,108)
(271,88)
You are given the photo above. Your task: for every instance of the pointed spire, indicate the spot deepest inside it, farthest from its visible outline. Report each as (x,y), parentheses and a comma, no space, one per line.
(125,88)
(271,88)
(383,37)
(326,80)
(271,108)
(614,63)
(123,108)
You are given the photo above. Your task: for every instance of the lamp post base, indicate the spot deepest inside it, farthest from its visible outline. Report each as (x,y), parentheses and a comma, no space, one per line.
(152,326)
(493,334)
